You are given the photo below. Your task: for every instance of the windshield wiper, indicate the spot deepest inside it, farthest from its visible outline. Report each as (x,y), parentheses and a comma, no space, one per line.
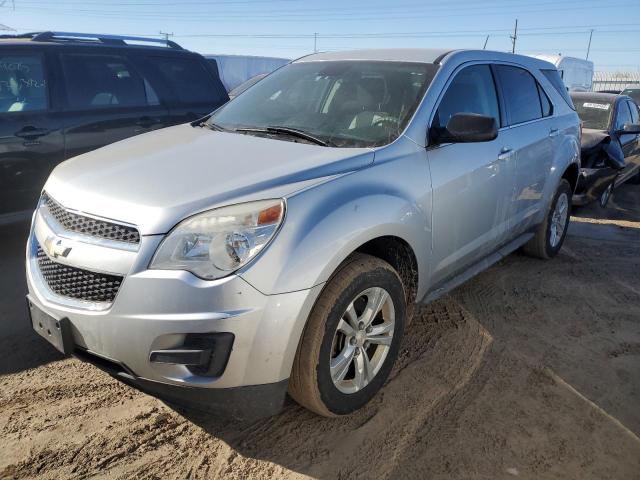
(293,132)
(215,126)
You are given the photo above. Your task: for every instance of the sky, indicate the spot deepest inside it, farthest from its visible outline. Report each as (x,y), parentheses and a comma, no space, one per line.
(292,28)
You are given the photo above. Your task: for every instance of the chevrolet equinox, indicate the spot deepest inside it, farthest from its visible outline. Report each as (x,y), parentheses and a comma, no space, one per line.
(275,245)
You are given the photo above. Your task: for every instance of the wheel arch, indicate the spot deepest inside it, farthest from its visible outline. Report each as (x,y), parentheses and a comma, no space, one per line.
(571,175)
(399,254)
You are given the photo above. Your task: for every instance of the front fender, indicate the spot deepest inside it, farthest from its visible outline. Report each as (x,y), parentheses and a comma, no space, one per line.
(328,222)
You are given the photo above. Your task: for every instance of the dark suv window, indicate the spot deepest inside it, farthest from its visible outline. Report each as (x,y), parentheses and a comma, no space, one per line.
(97,81)
(188,79)
(471,91)
(22,84)
(521,95)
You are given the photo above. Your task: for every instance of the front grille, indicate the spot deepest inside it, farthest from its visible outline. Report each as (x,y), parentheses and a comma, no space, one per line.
(77,283)
(90,226)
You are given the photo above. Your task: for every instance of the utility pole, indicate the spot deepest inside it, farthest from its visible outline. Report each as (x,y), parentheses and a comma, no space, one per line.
(166,36)
(486,40)
(514,37)
(589,46)
(315,42)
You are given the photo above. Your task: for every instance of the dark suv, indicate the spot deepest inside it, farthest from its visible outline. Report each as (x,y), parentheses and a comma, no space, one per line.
(64,94)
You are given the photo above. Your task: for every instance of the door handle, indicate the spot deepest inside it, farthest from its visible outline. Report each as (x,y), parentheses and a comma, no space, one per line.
(505,153)
(554,132)
(30,132)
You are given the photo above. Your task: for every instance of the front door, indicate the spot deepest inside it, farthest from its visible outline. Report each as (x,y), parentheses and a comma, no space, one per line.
(472,182)
(31,140)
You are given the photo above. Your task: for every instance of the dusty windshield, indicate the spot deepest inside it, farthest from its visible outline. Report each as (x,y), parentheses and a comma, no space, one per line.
(338,103)
(594,114)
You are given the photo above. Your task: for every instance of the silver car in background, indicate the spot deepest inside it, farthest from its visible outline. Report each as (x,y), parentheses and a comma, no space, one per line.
(274,246)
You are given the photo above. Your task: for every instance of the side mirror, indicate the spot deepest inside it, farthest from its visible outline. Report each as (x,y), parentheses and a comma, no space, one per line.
(629,129)
(467,128)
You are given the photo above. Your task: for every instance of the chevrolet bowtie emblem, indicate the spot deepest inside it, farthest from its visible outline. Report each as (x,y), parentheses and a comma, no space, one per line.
(55,248)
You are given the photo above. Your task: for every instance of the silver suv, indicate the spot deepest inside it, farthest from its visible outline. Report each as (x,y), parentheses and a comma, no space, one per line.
(274,246)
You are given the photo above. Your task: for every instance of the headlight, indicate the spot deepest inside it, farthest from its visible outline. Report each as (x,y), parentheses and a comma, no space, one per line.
(215,243)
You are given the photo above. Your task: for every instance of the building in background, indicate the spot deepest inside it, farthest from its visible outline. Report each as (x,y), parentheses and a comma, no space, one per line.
(616,81)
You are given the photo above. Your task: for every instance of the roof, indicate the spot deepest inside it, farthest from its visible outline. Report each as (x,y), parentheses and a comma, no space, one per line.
(418,55)
(426,55)
(598,96)
(92,39)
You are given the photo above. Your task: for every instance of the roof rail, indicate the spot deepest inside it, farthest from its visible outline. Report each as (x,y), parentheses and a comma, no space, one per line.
(102,38)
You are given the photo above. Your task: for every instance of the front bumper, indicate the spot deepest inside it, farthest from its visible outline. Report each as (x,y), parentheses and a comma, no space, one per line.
(156,310)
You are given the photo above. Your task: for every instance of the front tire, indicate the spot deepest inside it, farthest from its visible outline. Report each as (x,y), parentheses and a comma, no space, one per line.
(351,339)
(551,233)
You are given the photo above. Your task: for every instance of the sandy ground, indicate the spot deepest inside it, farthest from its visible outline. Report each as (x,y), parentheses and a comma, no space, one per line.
(530,370)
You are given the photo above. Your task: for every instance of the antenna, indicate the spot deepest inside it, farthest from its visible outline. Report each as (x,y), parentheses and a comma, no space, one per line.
(486,40)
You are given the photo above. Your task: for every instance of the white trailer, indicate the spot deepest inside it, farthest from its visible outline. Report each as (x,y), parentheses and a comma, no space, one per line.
(576,73)
(237,69)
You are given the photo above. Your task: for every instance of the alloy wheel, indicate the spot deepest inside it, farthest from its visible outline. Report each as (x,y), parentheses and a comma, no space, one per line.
(362,340)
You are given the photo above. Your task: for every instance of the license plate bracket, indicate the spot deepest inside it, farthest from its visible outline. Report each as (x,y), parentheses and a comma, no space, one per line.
(57,331)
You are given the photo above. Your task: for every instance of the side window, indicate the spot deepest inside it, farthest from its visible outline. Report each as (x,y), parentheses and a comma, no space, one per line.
(521,96)
(99,81)
(554,78)
(623,115)
(23,86)
(471,91)
(188,79)
(547,108)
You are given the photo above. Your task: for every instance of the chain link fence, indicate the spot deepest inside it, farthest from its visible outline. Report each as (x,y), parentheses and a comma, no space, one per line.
(615,80)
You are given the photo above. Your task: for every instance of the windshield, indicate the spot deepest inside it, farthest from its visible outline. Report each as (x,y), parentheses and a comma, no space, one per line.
(342,103)
(633,93)
(594,114)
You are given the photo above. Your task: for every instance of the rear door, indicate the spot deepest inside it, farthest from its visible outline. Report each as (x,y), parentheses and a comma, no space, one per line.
(190,87)
(31,140)
(531,139)
(107,100)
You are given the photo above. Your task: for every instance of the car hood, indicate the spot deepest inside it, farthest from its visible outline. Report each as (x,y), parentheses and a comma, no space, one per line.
(155,180)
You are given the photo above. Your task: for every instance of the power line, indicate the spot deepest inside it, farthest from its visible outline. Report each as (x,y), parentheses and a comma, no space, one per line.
(297,16)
